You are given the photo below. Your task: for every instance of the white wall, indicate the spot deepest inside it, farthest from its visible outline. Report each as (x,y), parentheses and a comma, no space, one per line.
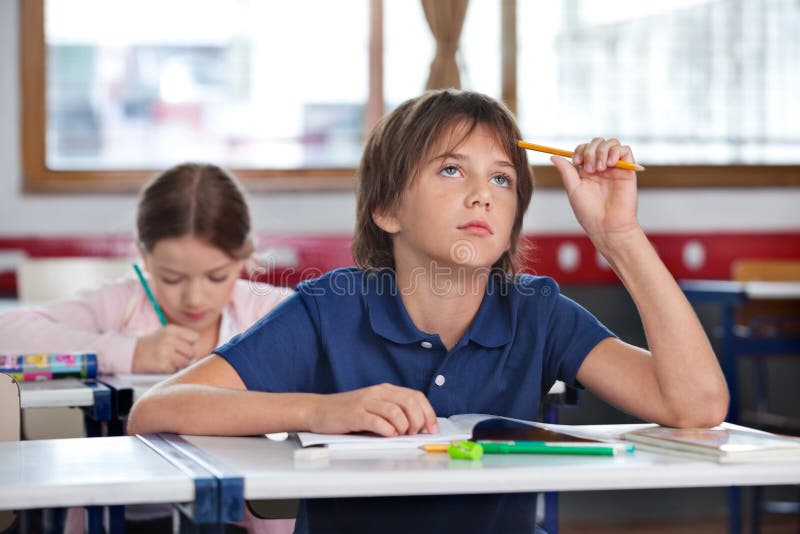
(333,213)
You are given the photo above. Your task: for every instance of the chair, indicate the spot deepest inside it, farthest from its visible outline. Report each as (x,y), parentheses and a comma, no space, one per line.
(763,331)
(10,430)
(44,279)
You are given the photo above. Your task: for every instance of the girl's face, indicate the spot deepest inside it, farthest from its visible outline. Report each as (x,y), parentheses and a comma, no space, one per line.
(192,280)
(459,210)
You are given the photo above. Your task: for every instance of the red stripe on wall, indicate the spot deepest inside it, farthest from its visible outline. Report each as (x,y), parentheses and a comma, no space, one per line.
(569,258)
(686,255)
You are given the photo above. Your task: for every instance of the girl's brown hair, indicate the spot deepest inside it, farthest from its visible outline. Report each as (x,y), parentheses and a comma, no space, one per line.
(402,141)
(195,199)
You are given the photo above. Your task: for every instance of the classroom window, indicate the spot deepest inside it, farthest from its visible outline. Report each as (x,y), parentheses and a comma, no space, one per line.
(683,81)
(240,83)
(284,93)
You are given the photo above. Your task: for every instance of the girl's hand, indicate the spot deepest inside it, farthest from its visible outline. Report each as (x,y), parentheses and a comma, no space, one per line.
(385,409)
(166,350)
(602,196)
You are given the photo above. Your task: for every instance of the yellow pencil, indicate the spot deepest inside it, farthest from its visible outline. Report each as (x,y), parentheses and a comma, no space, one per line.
(627,165)
(435,447)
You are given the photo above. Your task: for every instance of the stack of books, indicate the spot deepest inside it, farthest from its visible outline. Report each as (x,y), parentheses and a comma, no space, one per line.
(726,443)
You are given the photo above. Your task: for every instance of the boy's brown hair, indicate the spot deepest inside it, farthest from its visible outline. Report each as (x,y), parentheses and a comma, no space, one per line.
(195,199)
(398,146)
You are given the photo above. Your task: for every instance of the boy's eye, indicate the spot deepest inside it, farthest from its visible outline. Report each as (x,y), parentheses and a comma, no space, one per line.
(218,278)
(170,281)
(450,171)
(502,180)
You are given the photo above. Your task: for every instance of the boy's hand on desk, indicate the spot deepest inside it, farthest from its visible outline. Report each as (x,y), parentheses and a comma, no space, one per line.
(166,350)
(385,409)
(602,196)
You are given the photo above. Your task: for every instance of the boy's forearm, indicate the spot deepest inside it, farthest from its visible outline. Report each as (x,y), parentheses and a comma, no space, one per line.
(686,367)
(209,410)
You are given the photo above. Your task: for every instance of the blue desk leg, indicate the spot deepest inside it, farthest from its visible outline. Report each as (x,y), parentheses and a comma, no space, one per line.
(116,519)
(732,377)
(729,367)
(190,527)
(735,506)
(94,519)
(755,517)
(551,497)
(551,512)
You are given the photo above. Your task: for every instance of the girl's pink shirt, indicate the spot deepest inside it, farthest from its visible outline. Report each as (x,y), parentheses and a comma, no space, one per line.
(109,319)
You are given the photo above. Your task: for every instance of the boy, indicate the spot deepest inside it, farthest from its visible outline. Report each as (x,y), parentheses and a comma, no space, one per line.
(434,322)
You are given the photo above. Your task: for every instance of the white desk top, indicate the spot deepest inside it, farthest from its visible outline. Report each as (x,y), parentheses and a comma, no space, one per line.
(72,392)
(772,290)
(87,471)
(138,383)
(753,290)
(67,392)
(271,472)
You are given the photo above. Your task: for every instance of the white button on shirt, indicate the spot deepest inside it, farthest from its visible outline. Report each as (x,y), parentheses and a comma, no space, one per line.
(426,344)
(439,380)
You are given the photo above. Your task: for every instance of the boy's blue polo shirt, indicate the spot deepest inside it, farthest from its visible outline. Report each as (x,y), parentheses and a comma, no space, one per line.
(348,330)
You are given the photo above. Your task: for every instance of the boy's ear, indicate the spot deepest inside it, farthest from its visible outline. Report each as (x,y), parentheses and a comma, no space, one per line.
(386,221)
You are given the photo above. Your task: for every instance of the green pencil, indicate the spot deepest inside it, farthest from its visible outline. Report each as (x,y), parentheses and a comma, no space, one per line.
(156,307)
(538,447)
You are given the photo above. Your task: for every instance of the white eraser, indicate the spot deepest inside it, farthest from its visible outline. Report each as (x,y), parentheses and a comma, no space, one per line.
(311,453)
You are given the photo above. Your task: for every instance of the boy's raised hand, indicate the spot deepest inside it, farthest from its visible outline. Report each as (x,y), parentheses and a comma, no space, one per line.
(166,350)
(602,196)
(384,409)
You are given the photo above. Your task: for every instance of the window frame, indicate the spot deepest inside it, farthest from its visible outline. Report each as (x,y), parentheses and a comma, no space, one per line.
(38,178)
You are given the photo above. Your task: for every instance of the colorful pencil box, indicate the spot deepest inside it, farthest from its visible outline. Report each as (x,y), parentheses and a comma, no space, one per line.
(49,366)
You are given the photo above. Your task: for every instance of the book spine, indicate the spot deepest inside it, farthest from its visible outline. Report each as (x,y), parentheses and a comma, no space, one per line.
(49,366)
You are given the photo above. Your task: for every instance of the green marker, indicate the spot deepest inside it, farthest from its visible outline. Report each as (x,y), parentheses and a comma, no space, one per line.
(156,307)
(540,447)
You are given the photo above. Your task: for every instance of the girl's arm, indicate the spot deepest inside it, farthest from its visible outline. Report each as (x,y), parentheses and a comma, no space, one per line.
(89,321)
(93,320)
(209,398)
(679,381)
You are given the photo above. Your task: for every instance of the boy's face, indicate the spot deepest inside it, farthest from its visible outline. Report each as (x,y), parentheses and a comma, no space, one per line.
(192,280)
(459,210)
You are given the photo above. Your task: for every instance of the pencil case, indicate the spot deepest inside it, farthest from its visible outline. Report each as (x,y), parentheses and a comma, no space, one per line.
(49,366)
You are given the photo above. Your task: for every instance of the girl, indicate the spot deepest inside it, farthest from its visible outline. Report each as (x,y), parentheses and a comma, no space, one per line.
(435,322)
(193,233)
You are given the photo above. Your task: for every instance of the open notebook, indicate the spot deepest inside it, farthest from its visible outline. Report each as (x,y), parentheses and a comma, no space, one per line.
(457,427)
